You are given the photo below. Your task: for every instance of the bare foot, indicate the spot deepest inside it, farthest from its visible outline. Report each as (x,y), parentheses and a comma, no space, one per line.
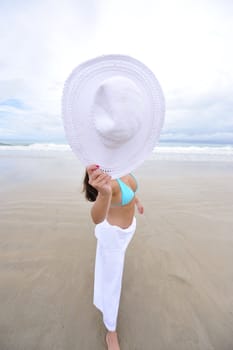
(112,341)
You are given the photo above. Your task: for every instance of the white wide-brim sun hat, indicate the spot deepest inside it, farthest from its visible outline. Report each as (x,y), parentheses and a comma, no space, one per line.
(113,112)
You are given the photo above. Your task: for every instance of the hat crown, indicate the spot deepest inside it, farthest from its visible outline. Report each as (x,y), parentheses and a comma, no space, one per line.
(117,111)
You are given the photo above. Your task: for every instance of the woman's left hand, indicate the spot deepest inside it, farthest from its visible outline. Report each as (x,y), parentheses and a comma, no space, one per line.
(139,206)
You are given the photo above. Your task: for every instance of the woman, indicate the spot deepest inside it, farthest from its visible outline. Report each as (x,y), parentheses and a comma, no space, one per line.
(113,214)
(113,111)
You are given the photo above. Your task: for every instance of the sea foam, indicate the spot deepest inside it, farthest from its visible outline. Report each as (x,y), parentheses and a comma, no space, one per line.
(160,152)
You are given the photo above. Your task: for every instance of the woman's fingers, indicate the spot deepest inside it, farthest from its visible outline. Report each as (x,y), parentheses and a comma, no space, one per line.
(93,172)
(97,178)
(101,182)
(101,179)
(91,168)
(140,209)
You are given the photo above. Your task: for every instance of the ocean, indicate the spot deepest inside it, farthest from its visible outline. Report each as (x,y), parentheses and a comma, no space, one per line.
(163,151)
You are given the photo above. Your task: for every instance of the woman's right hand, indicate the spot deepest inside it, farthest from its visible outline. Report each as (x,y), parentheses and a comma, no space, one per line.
(99,180)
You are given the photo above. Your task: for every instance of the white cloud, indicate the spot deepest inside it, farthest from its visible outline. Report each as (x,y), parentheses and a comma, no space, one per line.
(26,124)
(187,43)
(207,111)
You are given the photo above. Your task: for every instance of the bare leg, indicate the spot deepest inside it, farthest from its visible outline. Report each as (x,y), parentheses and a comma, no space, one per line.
(112,341)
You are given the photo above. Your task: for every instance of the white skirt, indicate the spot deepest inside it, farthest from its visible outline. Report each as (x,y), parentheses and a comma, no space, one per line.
(112,242)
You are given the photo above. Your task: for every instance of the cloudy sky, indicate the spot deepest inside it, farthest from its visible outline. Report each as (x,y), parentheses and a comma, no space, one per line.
(187,44)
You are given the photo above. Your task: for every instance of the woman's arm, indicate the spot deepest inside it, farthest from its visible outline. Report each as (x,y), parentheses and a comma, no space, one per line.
(102,182)
(100,208)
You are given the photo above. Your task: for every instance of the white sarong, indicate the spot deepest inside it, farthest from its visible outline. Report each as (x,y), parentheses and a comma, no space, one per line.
(112,242)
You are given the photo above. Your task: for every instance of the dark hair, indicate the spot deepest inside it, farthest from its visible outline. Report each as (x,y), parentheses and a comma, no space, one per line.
(90,192)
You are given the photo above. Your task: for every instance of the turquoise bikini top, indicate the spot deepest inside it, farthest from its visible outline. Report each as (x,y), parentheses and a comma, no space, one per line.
(127,194)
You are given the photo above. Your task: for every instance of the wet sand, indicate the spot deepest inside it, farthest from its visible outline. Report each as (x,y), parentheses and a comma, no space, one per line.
(178,279)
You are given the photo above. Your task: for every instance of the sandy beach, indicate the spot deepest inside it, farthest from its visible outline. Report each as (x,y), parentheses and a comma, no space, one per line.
(178,279)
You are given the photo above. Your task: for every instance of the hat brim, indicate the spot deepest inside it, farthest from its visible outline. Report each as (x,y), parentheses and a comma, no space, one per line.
(77,99)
